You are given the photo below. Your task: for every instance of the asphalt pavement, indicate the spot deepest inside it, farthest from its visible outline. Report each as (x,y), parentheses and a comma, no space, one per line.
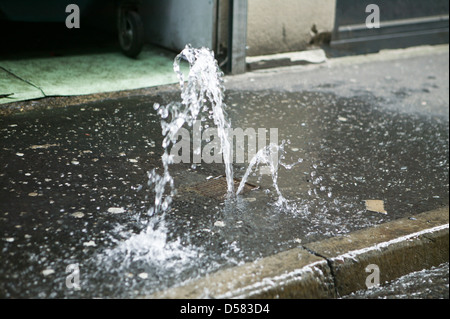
(366,143)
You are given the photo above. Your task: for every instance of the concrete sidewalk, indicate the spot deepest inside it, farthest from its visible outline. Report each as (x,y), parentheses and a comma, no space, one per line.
(412,80)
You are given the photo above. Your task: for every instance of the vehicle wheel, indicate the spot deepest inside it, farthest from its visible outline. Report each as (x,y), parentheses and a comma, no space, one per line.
(131,33)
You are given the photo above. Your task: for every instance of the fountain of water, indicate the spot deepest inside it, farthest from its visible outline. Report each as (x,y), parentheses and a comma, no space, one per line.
(267,156)
(201,94)
(201,99)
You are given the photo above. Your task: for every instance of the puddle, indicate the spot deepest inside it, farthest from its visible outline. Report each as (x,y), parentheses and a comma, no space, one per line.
(86,168)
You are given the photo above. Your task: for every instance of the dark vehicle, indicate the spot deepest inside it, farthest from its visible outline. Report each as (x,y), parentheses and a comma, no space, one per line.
(120,15)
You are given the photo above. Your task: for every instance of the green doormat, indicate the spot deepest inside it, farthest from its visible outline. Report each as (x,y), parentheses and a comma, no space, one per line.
(84,74)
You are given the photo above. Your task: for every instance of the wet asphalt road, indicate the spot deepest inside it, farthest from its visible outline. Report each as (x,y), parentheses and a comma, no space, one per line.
(73,187)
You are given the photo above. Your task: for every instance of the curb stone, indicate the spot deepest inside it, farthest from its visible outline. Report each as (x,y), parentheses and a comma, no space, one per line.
(397,248)
(333,267)
(292,274)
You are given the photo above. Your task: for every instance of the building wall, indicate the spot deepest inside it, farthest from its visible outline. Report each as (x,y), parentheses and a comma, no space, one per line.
(276,26)
(175,23)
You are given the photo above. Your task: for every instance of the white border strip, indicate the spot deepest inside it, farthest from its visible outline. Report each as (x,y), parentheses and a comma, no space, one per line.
(354,253)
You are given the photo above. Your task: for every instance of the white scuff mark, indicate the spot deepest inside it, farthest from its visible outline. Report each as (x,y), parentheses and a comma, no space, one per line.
(116,210)
(143,275)
(90,243)
(219,223)
(78,215)
(48,272)
(43,146)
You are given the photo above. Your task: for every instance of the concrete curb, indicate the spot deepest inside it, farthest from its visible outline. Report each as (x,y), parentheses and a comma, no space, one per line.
(316,56)
(397,248)
(333,267)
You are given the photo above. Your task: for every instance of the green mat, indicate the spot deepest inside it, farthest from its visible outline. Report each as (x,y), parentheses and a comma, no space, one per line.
(84,74)
(19,89)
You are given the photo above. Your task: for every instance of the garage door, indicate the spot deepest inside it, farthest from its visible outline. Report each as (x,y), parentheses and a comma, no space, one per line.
(402,23)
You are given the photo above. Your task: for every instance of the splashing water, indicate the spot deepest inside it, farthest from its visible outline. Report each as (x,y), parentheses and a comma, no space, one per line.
(268,156)
(201,93)
(202,96)
(153,247)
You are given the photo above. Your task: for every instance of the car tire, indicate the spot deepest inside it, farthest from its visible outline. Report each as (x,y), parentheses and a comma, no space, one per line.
(131,34)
